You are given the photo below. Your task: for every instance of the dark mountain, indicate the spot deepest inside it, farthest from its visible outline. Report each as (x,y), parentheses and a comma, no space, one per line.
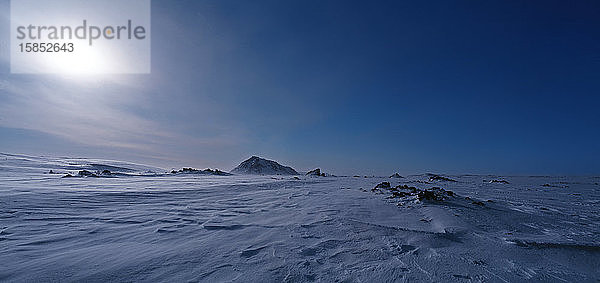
(260,166)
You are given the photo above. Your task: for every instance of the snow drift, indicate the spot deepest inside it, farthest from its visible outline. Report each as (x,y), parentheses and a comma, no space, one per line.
(249,228)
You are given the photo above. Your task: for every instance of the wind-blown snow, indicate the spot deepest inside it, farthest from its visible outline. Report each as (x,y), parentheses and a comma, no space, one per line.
(35,164)
(271,228)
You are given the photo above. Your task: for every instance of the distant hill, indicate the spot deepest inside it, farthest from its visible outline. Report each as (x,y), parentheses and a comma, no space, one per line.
(316,172)
(260,166)
(43,164)
(208,171)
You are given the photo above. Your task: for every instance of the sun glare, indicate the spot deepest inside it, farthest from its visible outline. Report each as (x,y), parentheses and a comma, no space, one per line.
(82,61)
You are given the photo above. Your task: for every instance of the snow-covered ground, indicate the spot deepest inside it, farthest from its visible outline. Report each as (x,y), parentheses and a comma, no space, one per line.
(142,226)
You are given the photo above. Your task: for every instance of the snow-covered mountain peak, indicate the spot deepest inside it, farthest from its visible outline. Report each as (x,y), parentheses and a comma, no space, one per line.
(260,166)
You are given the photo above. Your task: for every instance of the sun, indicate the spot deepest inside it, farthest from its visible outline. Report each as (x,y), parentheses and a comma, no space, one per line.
(80,61)
(83,60)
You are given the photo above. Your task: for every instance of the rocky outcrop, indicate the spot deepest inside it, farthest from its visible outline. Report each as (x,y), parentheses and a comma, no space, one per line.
(316,172)
(260,166)
(207,171)
(435,178)
(499,182)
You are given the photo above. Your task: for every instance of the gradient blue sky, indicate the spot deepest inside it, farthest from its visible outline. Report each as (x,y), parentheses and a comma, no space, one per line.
(353,87)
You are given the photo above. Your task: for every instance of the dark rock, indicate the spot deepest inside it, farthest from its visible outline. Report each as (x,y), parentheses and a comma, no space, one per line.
(383,185)
(86,173)
(100,167)
(68,176)
(106,172)
(403,191)
(399,194)
(436,194)
(434,177)
(380,186)
(296,178)
(499,182)
(316,172)
(207,171)
(396,175)
(220,173)
(406,188)
(478,203)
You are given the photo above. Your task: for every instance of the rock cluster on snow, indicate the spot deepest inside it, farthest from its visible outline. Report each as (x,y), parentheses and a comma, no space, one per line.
(207,171)
(316,172)
(434,178)
(412,194)
(86,173)
(404,194)
(382,185)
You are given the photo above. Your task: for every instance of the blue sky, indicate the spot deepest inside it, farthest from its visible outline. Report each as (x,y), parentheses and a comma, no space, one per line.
(353,87)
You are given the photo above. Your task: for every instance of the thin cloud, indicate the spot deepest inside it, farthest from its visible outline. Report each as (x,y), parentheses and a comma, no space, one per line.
(95,118)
